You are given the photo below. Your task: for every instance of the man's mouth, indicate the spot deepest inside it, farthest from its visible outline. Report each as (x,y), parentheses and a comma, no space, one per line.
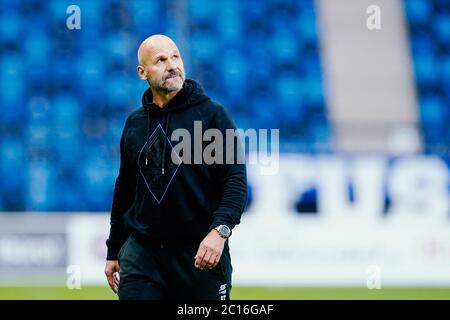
(172,76)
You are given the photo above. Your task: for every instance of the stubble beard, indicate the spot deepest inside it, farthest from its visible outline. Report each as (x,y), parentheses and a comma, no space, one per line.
(167,85)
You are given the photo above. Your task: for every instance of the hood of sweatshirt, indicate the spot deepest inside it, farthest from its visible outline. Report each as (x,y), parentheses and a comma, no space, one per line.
(190,95)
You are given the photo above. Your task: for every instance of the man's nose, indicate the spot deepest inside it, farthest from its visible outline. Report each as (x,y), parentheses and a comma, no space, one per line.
(170,65)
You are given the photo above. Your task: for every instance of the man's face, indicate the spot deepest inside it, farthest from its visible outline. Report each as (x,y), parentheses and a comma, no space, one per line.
(164,67)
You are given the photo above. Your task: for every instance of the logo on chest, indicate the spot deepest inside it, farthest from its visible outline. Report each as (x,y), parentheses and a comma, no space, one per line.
(156,164)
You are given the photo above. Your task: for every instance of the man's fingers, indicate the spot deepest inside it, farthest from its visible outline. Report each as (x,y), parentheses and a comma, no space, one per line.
(209,260)
(216,261)
(113,280)
(213,261)
(205,260)
(111,283)
(111,271)
(109,277)
(210,263)
(199,256)
(199,262)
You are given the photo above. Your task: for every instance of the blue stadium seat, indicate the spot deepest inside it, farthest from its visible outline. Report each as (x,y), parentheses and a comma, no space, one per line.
(12,86)
(144,12)
(441,26)
(264,113)
(319,131)
(70,196)
(57,10)
(233,69)
(229,22)
(312,92)
(433,110)
(115,128)
(117,91)
(62,70)
(204,46)
(418,11)
(201,10)
(39,137)
(65,129)
(41,194)
(254,11)
(284,47)
(11,25)
(98,176)
(445,70)
(288,92)
(118,47)
(65,112)
(148,18)
(37,47)
(426,69)
(13,164)
(38,107)
(67,152)
(91,69)
(91,13)
(422,43)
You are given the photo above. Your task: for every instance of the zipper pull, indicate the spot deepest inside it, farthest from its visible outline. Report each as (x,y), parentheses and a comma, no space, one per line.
(146,161)
(162,170)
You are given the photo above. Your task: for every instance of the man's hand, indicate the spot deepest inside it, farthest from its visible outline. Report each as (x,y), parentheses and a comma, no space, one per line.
(210,251)
(111,269)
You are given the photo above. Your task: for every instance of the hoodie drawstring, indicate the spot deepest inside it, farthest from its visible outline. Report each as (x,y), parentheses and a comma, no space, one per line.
(163,158)
(163,164)
(148,136)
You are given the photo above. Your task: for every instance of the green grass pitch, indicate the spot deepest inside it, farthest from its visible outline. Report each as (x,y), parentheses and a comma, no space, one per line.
(238,293)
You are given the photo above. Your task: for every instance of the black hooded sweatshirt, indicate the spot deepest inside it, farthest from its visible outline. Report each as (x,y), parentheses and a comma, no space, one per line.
(159,200)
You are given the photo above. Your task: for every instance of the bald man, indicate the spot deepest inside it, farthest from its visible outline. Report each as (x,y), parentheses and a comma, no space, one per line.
(171,220)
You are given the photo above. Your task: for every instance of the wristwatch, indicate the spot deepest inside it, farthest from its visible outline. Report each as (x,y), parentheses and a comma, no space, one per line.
(224,231)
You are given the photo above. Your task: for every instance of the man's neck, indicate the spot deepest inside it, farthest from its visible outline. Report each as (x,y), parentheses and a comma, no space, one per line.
(161,98)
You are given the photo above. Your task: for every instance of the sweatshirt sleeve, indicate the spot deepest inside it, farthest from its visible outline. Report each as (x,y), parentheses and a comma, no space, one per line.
(230,176)
(123,197)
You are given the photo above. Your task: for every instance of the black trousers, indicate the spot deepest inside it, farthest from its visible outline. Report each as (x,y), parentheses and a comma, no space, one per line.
(161,271)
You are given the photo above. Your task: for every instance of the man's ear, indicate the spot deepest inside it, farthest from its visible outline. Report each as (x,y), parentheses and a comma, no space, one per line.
(141,73)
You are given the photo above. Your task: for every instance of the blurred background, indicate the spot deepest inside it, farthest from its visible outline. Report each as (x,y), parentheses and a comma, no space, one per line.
(359,90)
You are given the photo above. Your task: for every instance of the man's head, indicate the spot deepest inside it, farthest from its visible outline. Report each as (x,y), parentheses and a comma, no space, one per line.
(160,64)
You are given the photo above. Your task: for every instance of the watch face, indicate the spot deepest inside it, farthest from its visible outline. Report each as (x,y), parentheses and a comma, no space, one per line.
(224,231)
